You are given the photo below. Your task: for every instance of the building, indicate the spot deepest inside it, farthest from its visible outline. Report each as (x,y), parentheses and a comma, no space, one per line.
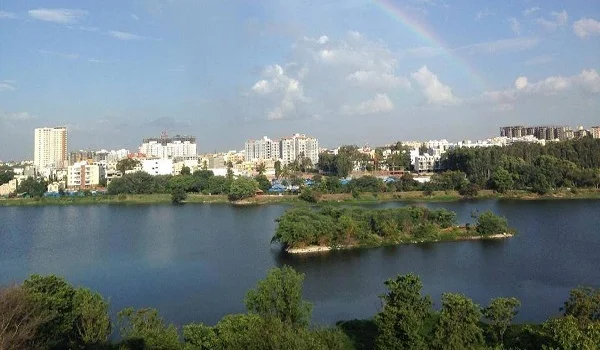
(162,166)
(287,149)
(595,131)
(84,176)
(543,132)
(169,147)
(50,148)
(9,187)
(427,163)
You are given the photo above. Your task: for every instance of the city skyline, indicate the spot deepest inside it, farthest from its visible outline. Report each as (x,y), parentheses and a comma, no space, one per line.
(353,72)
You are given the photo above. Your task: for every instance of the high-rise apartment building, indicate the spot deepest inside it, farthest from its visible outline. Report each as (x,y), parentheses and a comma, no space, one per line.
(595,131)
(286,149)
(540,132)
(169,147)
(50,148)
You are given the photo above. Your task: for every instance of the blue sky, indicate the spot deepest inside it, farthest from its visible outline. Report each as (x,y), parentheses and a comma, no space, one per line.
(345,71)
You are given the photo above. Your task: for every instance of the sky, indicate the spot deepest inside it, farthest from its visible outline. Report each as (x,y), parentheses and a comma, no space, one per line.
(348,72)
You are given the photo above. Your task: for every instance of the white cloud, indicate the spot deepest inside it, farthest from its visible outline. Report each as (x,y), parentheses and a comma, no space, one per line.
(501,46)
(381,103)
(515,26)
(323,39)
(586,27)
(436,92)
(7,85)
(559,19)
(482,14)
(287,91)
(69,56)
(60,15)
(530,10)
(135,17)
(521,83)
(587,82)
(7,15)
(124,35)
(16,116)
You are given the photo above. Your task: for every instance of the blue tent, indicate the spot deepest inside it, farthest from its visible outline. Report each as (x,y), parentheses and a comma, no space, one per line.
(278,188)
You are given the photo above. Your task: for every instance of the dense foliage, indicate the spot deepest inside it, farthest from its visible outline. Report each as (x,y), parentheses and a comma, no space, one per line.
(351,226)
(6,175)
(46,312)
(32,187)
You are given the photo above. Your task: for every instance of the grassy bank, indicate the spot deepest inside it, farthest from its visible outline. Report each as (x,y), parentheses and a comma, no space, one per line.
(416,196)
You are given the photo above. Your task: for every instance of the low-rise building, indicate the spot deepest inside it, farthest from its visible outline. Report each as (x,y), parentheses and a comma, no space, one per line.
(9,187)
(162,166)
(84,176)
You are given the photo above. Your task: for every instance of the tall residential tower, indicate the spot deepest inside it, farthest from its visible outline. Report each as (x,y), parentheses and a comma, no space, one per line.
(50,148)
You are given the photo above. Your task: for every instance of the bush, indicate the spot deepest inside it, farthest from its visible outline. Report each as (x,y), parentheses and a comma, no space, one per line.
(178,195)
(242,188)
(488,224)
(310,195)
(470,190)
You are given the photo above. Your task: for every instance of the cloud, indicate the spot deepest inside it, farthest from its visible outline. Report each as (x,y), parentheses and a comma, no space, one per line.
(326,76)
(60,15)
(283,88)
(435,91)
(381,103)
(124,35)
(7,85)
(586,27)
(501,46)
(68,56)
(586,82)
(559,19)
(16,117)
(515,26)
(541,59)
(530,10)
(95,60)
(135,17)
(7,15)
(482,14)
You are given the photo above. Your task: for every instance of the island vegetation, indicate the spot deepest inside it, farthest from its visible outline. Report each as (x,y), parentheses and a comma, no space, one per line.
(47,312)
(302,229)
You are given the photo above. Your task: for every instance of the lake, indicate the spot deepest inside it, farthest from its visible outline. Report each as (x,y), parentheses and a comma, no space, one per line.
(195,262)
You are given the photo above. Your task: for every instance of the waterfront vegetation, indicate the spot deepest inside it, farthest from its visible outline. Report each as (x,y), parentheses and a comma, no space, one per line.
(347,227)
(47,312)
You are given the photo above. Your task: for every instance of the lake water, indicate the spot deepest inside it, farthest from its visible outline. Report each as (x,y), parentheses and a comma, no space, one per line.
(196,262)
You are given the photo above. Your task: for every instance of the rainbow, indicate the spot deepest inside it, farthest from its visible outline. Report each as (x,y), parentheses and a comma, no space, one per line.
(425,34)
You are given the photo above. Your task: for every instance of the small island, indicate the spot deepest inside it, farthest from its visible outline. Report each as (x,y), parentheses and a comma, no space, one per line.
(308,230)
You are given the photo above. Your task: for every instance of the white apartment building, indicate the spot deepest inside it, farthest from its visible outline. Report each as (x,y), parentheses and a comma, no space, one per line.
(264,148)
(84,176)
(287,149)
(9,187)
(595,131)
(169,147)
(50,148)
(163,166)
(426,163)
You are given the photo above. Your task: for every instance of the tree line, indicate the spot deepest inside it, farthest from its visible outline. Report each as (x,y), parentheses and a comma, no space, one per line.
(47,312)
(351,226)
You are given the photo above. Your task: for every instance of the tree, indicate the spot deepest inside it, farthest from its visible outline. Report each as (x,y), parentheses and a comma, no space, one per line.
(457,327)
(540,184)
(263,183)
(309,195)
(178,195)
(32,187)
(197,336)
(261,168)
(20,319)
(145,326)
(488,224)
(54,295)
(469,190)
(92,322)
(500,313)
(502,181)
(584,305)
(127,164)
(402,318)
(242,188)
(279,296)
(277,169)
(6,176)
(185,170)
(564,333)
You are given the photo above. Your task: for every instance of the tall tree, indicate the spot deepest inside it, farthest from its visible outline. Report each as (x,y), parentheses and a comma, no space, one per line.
(127,164)
(145,326)
(458,324)
(400,322)
(277,169)
(92,321)
(242,188)
(500,313)
(279,295)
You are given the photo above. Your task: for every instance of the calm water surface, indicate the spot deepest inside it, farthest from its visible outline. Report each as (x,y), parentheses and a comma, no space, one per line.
(196,262)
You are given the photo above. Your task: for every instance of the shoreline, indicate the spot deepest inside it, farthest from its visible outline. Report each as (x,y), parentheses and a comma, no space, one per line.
(326,199)
(312,249)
